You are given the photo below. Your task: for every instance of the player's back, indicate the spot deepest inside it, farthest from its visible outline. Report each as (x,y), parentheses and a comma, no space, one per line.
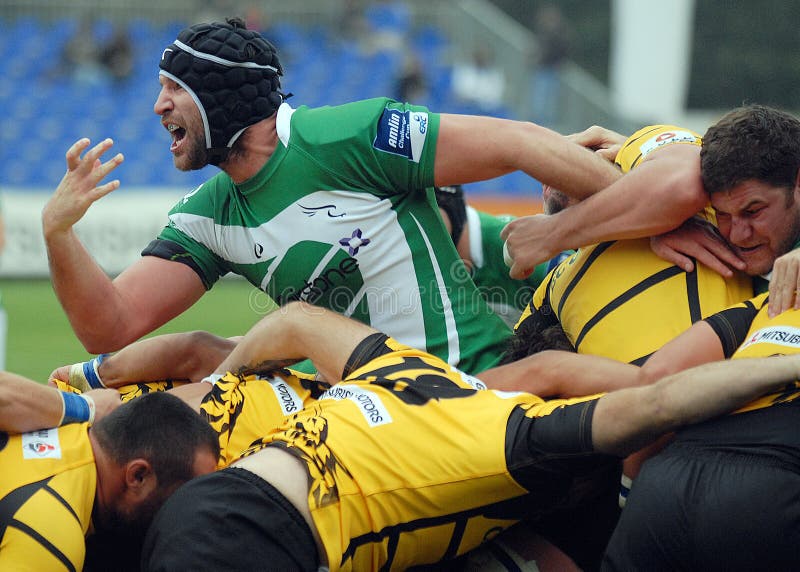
(618,299)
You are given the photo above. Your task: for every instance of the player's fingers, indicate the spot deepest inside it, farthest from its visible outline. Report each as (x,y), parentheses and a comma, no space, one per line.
(103,169)
(721,251)
(103,190)
(784,285)
(608,154)
(711,260)
(519,271)
(95,152)
(671,255)
(506,231)
(73,155)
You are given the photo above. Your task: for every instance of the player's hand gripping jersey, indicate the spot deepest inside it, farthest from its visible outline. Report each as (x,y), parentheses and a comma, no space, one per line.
(618,299)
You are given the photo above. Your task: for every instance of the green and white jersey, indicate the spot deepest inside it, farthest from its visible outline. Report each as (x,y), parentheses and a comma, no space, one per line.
(339,217)
(507,296)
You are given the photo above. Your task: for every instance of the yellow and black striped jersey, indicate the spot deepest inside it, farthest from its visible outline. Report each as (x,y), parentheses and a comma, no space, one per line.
(765,429)
(407,460)
(618,299)
(244,409)
(748,328)
(239,409)
(47,491)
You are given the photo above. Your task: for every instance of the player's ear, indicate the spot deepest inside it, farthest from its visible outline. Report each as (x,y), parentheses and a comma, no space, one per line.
(140,479)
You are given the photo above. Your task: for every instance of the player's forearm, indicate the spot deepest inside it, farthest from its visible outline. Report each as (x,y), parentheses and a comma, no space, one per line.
(26,405)
(654,198)
(628,419)
(188,356)
(86,293)
(556,161)
(561,374)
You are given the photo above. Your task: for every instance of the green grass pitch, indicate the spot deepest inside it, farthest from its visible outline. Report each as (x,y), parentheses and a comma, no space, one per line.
(40,338)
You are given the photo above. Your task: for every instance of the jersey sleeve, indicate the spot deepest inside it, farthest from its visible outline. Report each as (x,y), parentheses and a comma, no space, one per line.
(191,226)
(649,139)
(376,144)
(732,324)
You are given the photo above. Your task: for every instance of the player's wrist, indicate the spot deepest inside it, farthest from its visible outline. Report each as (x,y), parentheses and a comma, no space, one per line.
(76,408)
(85,376)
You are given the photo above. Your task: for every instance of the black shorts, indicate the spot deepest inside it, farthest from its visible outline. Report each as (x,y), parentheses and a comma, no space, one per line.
(696,508)
(229,520)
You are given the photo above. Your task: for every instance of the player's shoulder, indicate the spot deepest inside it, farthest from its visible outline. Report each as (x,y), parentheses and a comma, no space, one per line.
(205,196)
(651,138)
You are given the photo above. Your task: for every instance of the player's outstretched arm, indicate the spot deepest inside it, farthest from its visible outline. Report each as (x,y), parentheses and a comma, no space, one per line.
(106,315)
(29,406)
(185,356)
(626,420)
(295,332)
(553,373)
(496,147)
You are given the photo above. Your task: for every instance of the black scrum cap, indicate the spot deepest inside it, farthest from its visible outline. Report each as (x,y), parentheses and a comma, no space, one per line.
(232,74)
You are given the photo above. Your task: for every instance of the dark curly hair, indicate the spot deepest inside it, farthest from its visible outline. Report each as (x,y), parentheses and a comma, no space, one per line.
(754,142)
(534,336)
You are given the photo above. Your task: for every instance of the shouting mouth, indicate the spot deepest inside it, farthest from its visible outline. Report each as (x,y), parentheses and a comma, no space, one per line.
(178,133)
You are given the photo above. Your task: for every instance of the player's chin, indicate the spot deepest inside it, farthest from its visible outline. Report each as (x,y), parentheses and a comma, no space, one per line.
(758,262)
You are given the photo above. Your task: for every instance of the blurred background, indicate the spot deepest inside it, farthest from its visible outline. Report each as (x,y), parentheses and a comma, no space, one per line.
(88,68)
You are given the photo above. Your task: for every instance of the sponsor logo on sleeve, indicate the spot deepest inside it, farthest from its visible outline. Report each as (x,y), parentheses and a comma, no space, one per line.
(368,403)
(402,133)
(287,397)
(41,445)
(189,195)
(470,380)
(777,335)
(505,394)
(666,138)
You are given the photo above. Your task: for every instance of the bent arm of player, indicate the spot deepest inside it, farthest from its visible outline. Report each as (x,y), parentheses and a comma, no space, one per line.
(186,356)
(626,420)
(471,148)
(554,373)
(295,332)
(655,197)
(106,315)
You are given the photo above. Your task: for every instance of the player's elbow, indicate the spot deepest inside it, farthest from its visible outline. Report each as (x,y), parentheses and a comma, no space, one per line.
(102,344)
(202,352)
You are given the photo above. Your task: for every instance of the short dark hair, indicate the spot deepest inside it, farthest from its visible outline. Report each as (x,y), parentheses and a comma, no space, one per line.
(161,428)
(533,337)
(754,142)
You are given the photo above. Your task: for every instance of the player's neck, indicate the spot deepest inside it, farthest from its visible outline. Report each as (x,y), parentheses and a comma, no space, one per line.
(258,142)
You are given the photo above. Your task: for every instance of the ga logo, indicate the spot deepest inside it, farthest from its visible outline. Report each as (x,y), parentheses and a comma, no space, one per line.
(40,448)
(41,445)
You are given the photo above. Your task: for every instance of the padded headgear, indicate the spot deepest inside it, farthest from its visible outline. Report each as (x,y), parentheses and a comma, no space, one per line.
(232,75)
(451,200)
